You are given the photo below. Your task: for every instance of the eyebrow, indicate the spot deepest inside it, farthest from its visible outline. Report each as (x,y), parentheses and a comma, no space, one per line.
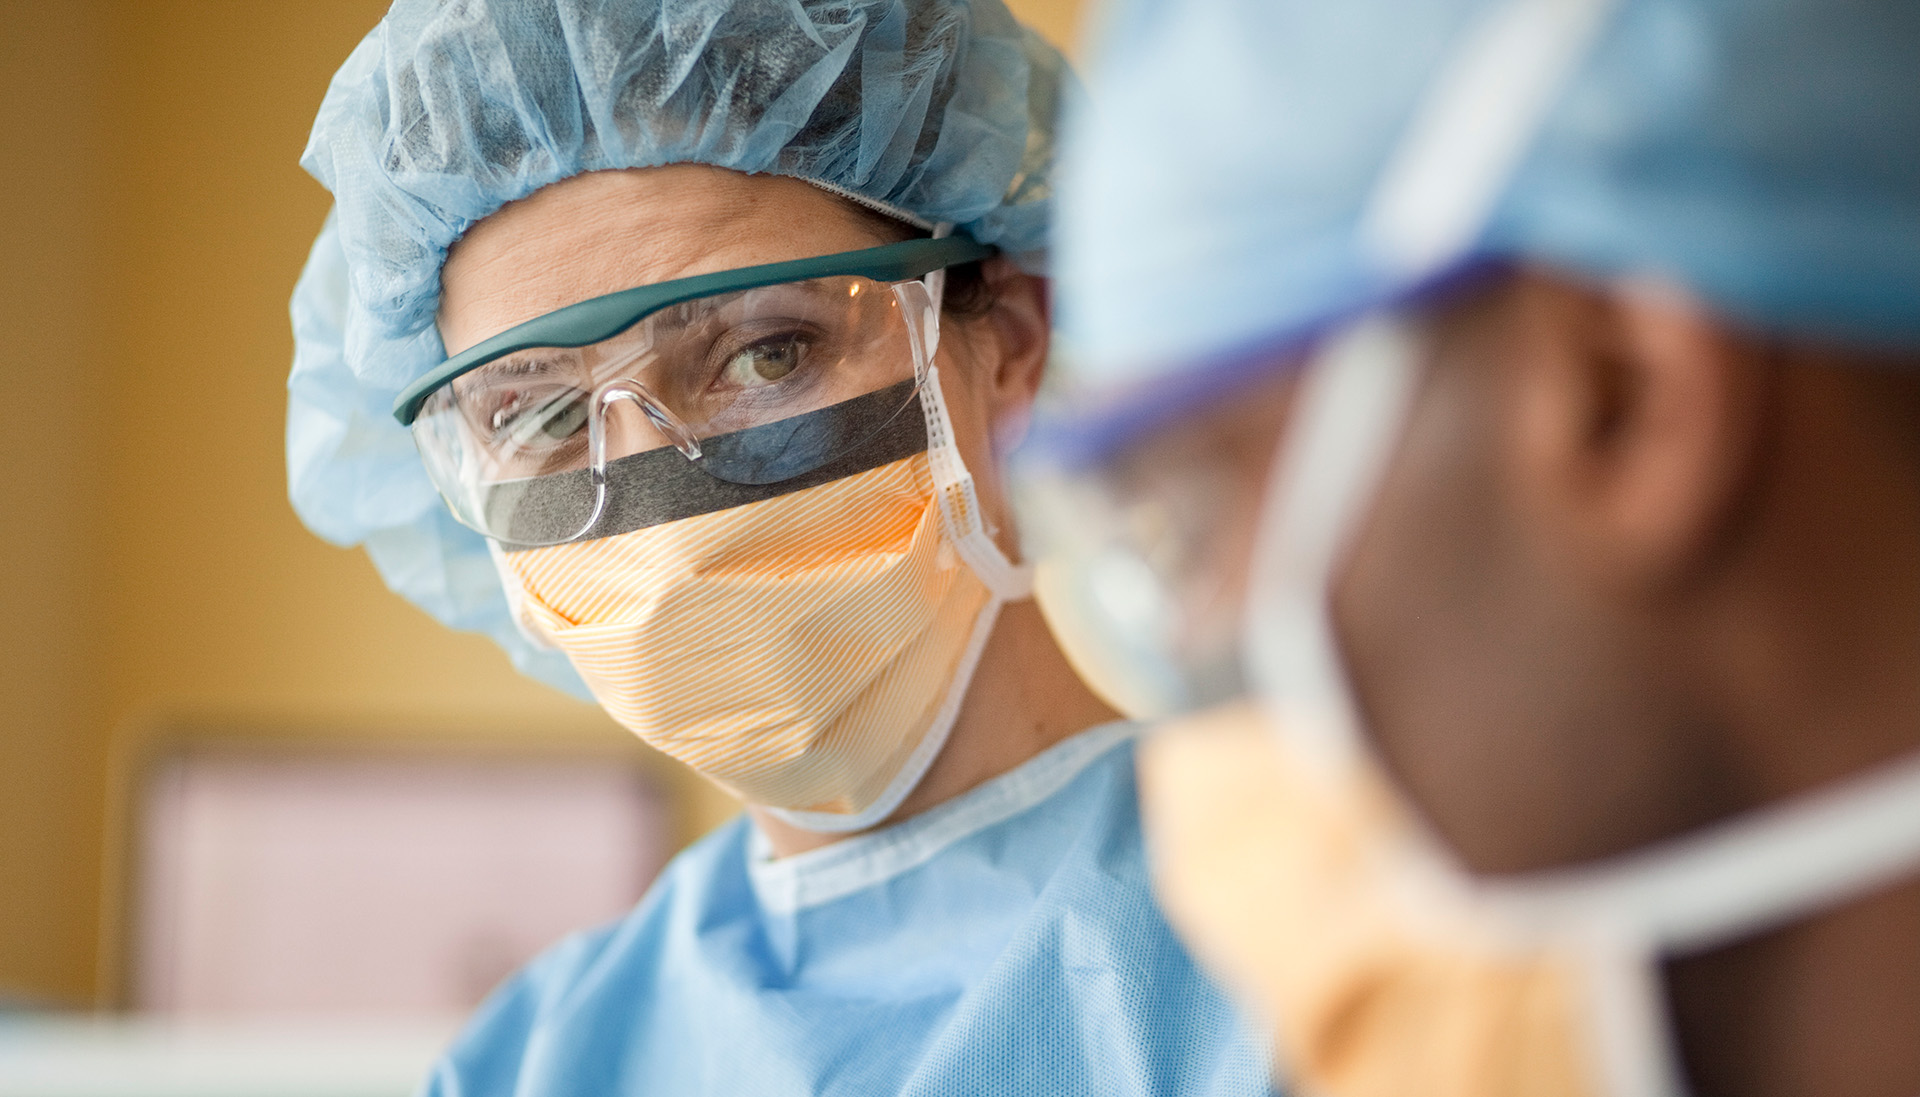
(687,313)
(537,362)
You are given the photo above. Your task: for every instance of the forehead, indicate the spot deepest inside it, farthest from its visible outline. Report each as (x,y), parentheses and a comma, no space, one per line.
(607,231)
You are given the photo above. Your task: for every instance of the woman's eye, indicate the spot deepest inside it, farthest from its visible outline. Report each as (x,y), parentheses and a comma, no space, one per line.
(763,363)
(539,421)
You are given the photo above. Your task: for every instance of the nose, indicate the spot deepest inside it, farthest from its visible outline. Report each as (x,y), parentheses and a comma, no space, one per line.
(628,420)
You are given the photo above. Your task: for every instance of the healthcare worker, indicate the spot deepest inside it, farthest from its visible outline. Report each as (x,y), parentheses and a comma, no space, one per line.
(1532,387)
(676,345)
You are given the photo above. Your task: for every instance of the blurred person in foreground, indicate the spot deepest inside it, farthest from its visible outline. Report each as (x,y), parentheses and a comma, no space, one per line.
(676,346)
(1517,402)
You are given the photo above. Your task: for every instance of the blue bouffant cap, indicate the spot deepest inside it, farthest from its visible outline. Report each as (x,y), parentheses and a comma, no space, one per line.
(1247,172)
(935,111)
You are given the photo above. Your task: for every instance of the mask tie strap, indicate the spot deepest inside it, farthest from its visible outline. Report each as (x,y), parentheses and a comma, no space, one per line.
(1350,415)
(1473,126)
(1728,881)
(1428,207)
(1744,875)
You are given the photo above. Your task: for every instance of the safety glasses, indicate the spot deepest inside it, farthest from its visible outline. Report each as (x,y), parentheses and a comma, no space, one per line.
(1146,549)
(1158,535)
(685,397)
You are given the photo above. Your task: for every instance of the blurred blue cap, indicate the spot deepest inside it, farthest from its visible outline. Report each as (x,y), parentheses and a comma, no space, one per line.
(935,111)
(1245,173)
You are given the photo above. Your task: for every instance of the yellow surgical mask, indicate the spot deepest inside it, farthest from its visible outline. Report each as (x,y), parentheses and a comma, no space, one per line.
(808,651)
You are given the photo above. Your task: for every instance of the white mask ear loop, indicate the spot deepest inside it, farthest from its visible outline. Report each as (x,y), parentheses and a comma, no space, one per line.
(1428,207)
(952,483)
(1350,414)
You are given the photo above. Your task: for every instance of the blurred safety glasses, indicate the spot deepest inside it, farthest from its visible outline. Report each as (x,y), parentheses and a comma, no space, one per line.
(690,393)
(1159,529)
(1153,540)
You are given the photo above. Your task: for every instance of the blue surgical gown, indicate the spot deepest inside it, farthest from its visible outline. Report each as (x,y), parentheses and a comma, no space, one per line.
(1002,942)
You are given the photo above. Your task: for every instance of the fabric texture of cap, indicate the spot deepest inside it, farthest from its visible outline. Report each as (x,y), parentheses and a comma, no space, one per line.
(936,111)
(1217,181)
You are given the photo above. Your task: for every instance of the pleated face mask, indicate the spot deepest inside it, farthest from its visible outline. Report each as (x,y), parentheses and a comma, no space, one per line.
(804,643)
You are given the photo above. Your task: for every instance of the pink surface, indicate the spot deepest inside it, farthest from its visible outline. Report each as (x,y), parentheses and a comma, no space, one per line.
(342,886)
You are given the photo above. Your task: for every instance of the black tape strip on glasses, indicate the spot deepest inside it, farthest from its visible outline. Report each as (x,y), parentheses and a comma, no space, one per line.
(747,466)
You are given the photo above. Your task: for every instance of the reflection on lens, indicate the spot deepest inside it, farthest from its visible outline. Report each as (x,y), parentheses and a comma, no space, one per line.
(657,486)
(798,445)
(546,510)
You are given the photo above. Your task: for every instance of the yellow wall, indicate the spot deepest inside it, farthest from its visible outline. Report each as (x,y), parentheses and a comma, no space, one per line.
(153,218)
(50,746)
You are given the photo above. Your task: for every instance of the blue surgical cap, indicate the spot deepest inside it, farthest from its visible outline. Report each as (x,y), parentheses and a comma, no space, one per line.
(933,111)
(1218,189)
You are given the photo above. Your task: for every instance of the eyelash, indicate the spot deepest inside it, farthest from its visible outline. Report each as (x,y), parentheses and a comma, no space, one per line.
(790,330)
(721,351)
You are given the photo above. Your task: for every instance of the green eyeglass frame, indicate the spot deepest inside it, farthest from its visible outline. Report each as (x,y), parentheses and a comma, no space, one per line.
(600,318)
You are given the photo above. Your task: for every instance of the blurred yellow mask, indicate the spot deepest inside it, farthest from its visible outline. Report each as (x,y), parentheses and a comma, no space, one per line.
(1300,886)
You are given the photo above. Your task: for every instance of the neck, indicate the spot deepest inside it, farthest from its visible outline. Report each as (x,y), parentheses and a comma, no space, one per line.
(1825,1006)
(1816,677)
(1024,698)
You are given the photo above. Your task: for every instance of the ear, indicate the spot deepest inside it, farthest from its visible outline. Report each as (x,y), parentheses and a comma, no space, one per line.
(1014,355)
(1638,422)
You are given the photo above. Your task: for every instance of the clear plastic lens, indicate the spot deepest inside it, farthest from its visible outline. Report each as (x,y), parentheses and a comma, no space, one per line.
(753,387)
(1156,540)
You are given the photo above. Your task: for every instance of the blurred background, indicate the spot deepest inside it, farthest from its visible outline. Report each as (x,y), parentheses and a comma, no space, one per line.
(240,782)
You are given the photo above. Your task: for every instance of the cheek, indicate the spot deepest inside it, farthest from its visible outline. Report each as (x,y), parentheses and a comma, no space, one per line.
(1505,708)
(1414,609)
